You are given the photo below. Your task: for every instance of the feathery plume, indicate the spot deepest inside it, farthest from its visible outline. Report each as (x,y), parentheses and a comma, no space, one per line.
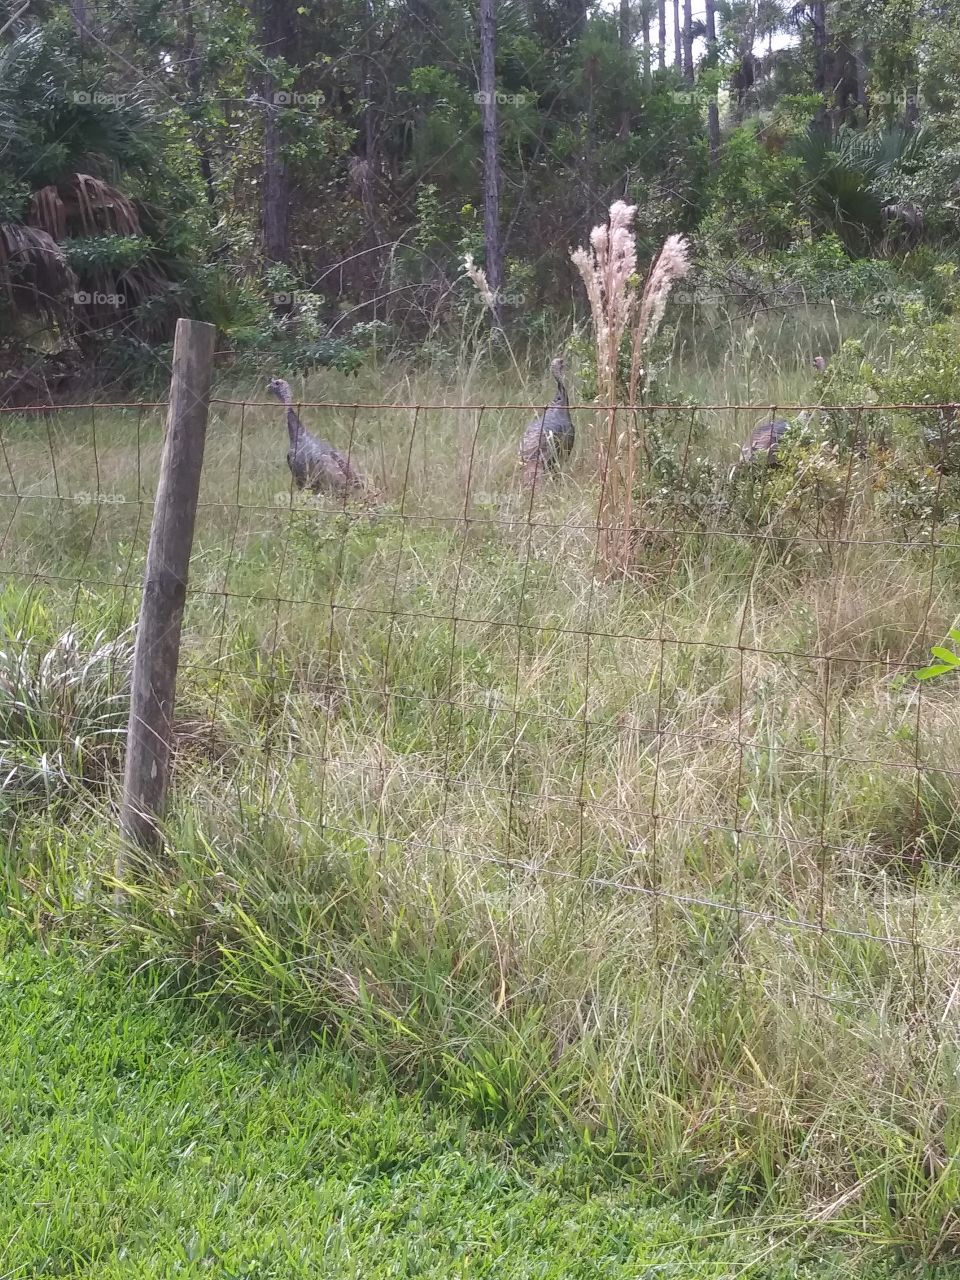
(481,284)
(672,264)
(489,300)
(606,270)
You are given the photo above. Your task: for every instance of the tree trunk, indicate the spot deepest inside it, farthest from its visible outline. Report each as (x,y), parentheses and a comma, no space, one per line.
(645,15)
(626,36)
(846,79)
(821,64)
(277,41)
(193,76)
(493,261)
(688,41)
(713,110)
(78,11)
(713,130)
(911,107)
(369,167)
(744,74)
(276,190)
(677,38)
(863,64)
(662,34)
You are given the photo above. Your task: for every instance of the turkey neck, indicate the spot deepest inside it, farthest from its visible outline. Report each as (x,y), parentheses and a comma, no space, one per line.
(561,396)
(294,428)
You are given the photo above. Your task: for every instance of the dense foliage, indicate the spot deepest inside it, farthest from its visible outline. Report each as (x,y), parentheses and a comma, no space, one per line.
(311,177)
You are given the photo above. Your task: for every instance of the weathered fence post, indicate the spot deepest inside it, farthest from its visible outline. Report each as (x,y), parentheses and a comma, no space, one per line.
(157,651)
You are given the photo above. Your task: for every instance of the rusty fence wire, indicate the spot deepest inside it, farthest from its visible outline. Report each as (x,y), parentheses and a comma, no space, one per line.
(732,725)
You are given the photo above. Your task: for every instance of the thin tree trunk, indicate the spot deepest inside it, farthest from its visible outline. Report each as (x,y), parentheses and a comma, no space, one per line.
(688,41)
(847,80)
(493,261)
(78,11)
(276,189)
(370,163)
(662,34)
(713,130)
(645,16)
(863,64)
(713,110)
(193,75)
(677,38)
(821,64)
(625,41)
(277,41)
(911,108)
(742,80)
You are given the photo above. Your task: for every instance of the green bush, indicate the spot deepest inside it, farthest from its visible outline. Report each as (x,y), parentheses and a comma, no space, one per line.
(63,714)
(920,366)
(755,199)
(681,488)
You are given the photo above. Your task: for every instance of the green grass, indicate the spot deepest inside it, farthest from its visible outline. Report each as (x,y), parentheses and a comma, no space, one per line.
(140,1140)
(688,886)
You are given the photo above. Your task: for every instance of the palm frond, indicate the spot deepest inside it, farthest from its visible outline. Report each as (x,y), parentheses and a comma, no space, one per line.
(34,273)
(82,205)
(851,178)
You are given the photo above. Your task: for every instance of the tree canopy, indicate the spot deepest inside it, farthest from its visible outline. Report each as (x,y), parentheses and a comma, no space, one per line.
(252,162)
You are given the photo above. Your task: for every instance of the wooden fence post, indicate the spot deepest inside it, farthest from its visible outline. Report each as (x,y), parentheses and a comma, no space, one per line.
(157,651)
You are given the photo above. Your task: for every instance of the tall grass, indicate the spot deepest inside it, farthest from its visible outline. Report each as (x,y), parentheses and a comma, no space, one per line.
(670,865)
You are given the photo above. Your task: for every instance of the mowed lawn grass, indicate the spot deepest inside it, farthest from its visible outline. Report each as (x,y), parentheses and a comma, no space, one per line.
(140,1138)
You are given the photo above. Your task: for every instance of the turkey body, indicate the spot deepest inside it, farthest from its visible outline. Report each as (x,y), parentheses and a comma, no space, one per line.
(314,464)
(763,441)
(548,440)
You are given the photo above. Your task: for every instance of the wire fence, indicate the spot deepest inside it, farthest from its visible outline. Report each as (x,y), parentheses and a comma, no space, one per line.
(732,726)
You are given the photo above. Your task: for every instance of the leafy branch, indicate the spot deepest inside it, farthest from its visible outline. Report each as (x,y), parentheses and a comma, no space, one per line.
(947,660)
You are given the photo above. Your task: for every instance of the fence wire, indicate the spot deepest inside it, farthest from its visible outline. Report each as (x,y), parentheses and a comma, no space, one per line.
(731,726)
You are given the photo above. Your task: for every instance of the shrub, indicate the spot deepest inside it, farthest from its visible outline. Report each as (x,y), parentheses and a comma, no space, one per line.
(681,488)
(63,713)
(921,367)
(755,197)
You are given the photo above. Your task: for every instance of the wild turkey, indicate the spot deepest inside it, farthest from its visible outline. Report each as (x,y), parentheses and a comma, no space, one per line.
(548,440)
(904,224)
(313,463)
(763,440)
